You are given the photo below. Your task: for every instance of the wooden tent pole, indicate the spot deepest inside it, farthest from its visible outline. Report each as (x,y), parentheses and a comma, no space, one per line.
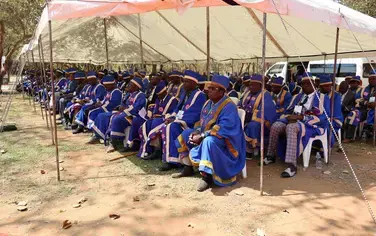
(53,101)
(262,107)
(208,43)
(106,43)
(140,37)
(333,91)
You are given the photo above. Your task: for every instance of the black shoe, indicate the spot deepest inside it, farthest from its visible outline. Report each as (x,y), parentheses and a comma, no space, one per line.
(205,183)
(67,127)
(268,160)
(157,154)
(74,126)
(186,172)
(167,167)
(79,129)
(94,140)
(289,172)
(126,149)
(249,156)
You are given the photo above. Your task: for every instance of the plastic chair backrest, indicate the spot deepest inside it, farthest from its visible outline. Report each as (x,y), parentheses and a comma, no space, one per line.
(241,114)
(235,100)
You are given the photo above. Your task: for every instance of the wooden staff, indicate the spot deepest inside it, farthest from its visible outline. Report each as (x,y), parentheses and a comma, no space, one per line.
(262,107)
(333,91)
(124,156)
(53,100)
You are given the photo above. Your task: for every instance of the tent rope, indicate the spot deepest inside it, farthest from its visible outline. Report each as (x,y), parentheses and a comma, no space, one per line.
(330,123)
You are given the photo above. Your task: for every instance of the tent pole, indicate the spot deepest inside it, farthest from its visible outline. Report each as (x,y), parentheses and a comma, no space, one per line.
(41,75)
(140,36)
(28,65)
(53,101)
(208,43)
(232,66)
(106,43)
(333,90)
(257,65)
(33,91)
(262,107)
(47,104)
(324,63)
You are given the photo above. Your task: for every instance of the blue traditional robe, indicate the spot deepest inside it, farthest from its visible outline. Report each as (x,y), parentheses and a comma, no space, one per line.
(111,101)
(152,127)
(282,101)
(233,93)
(129,117)
(222,152)
(361,99)
(294,88)
(71,107)
(191,106)
(175,89)
(314,123)
(61,84)
(251,103)
(97,94)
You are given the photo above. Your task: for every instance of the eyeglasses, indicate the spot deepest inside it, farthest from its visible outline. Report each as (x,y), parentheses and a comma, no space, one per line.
(213,88)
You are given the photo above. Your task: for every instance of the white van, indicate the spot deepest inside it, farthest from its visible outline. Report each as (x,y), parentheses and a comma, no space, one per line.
(345,67)
(286,69)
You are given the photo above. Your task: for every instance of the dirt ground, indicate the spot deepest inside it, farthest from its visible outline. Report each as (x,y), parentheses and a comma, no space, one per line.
(312,203)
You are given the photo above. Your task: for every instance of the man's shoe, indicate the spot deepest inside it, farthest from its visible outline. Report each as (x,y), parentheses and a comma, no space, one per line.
(204,185)
(110,148)
(346,140)
(157,154)
(289,172)
(94,140)
(186,172)
(268,160)
(79,129)
(167,167)
(67,127)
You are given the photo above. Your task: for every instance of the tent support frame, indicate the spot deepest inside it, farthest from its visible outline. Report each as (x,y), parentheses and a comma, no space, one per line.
(106,42)
(54,102)
(269,35)
(208,43)
(333,91)
(263,106)
(140,37)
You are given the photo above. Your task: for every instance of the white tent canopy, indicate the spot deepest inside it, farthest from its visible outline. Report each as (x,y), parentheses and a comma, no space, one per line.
(236,31)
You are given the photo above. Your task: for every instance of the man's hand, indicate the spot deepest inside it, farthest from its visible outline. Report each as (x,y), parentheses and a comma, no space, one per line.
(121,108)
(169,120)
(195,138)
(294,118)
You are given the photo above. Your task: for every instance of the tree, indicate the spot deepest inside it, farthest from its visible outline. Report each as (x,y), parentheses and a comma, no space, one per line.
(18,19)
(365,6)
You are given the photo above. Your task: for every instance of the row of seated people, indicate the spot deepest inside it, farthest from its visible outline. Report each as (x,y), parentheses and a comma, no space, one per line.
(186,126)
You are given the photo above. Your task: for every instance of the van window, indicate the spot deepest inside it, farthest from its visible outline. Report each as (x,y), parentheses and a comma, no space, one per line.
(367,68)
(343,70)
(276,69)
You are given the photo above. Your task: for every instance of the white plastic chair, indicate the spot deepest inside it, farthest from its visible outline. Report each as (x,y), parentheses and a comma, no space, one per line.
(241,114)
(235,100)
(127,132)
(307,151)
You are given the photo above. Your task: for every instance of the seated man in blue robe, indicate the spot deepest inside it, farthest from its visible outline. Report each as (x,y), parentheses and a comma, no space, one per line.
(175,86)
(281,97)
(127,116)
(111,101)
(185,116)
(217,146)
(67,92)
(350,112)
(304,118)
(97,93)
(251,103)
(366,103)
(231,92)
(245,85)
(326,85)
(72,107)
(150,131)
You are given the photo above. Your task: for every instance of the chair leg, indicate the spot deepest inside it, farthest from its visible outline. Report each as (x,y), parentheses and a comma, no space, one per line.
(244,171)
(307,154)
